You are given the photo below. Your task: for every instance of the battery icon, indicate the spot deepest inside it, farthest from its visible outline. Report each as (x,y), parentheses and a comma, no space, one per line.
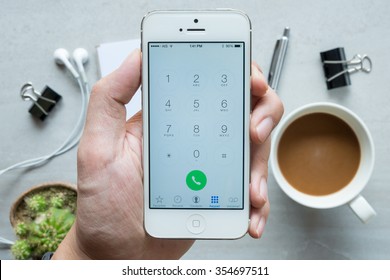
(237,46)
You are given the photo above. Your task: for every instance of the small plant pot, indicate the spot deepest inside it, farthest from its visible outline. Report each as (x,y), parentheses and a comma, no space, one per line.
(52,214)
(13,217)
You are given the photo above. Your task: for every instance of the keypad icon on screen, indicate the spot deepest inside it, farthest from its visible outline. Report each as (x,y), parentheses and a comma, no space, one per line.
(214,199)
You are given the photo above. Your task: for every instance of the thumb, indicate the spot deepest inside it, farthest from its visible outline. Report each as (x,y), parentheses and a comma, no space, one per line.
(106,117)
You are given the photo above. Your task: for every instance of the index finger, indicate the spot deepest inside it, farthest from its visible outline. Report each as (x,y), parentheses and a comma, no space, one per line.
(259,85)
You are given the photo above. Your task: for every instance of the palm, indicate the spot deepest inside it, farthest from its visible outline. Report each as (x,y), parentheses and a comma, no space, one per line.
(154,248)
(118,186)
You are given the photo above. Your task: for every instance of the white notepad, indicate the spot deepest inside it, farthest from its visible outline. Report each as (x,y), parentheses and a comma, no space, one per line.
(110,57)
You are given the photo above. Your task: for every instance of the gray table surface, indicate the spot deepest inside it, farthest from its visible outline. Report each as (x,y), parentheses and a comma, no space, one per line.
(31,30)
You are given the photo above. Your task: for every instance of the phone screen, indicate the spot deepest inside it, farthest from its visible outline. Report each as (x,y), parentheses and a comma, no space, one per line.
(196,125)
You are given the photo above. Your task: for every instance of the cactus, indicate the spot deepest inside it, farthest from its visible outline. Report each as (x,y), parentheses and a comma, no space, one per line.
(21,229)
(48,234)
(21,249)
(46,229)
(36,203)
(57,202)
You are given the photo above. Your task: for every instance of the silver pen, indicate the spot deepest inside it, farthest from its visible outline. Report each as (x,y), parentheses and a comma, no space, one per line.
(278,59)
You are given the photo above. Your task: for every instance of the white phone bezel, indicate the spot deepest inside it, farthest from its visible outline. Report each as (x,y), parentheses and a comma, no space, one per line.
(220,25)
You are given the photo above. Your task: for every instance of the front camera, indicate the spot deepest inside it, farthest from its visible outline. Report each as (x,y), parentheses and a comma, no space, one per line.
(181,29)
(196,20)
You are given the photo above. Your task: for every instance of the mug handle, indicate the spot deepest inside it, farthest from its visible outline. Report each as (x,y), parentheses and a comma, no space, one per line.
(362,208)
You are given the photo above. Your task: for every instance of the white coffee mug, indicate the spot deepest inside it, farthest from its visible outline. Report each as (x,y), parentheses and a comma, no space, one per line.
(350,194)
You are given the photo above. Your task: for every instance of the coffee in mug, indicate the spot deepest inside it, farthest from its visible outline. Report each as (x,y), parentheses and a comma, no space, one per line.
(319,154)
(322,156)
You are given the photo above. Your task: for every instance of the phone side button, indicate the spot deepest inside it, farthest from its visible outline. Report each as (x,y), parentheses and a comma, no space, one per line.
(196,224)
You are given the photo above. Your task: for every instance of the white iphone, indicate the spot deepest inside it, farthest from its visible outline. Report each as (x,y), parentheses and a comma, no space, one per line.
(196,110)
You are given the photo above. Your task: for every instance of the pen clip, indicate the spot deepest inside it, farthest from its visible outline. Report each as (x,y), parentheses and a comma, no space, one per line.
(278,59)
(274,61)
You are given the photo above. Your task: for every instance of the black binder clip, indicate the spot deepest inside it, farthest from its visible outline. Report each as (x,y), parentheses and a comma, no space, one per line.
(43,102)
(337,68)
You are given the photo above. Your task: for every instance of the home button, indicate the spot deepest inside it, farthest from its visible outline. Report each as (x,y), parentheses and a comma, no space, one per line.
(196,224)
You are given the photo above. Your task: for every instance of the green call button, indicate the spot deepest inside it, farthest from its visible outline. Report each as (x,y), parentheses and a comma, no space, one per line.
(196,180)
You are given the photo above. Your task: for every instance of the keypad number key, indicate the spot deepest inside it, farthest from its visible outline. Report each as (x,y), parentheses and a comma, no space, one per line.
(196,130)
(168,127)
(168,130)
(196,80)
(167,80)
(224,130)
(223,105)
(196,105)
(195,153)
(168,105)
(224,80)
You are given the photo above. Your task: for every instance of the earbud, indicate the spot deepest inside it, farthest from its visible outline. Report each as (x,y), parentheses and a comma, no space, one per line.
(61,57)
(80,57)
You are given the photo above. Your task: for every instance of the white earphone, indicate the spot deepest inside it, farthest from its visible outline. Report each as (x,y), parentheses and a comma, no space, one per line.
(62,57)
(80,57)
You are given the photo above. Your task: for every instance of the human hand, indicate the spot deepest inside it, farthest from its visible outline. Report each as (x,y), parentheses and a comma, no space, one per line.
(109,222)
(267,110)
